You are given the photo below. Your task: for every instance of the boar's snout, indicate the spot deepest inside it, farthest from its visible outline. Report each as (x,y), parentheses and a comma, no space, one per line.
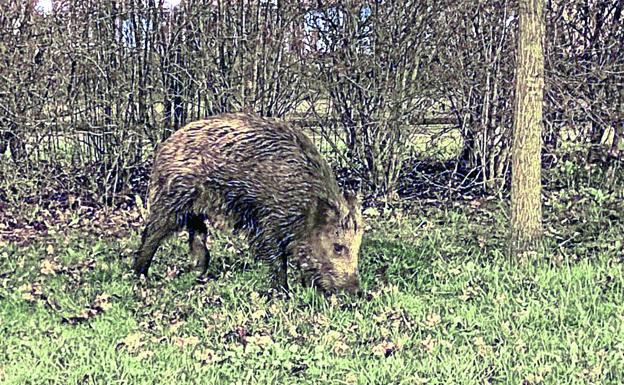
(351,284)
(344,283)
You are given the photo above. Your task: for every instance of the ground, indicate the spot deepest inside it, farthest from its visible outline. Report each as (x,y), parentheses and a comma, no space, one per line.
(442,304)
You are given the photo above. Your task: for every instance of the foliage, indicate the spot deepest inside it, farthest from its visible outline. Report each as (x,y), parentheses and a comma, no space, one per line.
(373,60)
(95,85)
(584,94)
(477,63)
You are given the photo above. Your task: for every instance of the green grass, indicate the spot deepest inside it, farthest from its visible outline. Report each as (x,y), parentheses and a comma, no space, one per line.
(443,305)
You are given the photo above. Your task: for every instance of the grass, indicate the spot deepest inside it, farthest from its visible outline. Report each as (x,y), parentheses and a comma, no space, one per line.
(442,305)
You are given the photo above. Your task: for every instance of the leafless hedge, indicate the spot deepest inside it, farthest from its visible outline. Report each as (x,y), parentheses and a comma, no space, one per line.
(585,78)
(86,91)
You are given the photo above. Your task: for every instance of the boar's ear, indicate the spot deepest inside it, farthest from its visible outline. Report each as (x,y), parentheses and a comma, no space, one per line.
(354,218)
(352,201)
(326,211)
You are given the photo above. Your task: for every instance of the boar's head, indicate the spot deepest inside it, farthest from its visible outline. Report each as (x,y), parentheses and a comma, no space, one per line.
(329,253)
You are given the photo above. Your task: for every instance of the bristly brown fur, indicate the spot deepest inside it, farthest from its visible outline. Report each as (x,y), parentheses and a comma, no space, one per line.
(268,181)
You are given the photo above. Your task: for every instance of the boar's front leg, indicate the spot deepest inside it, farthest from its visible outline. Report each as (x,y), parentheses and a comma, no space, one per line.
(268,250)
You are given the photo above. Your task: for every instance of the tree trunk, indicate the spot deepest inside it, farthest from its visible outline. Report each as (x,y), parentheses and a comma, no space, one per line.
(526,205)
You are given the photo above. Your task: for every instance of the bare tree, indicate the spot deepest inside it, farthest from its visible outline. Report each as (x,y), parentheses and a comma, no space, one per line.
(476,62)
(374,82)
(584,97)
(526,206)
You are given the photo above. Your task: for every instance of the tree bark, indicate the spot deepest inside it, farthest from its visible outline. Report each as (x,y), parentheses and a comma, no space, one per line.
(526,205)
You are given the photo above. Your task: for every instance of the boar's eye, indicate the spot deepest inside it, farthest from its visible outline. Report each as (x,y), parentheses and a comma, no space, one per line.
(338,248)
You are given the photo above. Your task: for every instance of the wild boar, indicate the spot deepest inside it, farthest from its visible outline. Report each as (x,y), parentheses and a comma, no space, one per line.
(270,183)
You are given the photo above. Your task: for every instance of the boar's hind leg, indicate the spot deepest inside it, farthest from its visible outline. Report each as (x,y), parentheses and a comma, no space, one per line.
(155,231)
(198,233)
(280,273)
